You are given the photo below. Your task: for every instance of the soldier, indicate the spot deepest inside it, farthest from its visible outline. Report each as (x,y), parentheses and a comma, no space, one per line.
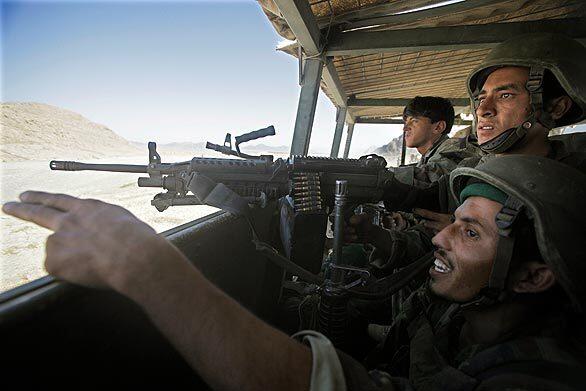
(502,310)
(427,122)
(523,88)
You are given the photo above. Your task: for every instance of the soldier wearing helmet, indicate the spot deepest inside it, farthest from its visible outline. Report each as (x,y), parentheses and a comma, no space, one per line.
(503,308)
(543,195)
(524,87)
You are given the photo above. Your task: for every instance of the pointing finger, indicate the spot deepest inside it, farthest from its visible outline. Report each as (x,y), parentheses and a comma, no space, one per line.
(44,216)
(62,202)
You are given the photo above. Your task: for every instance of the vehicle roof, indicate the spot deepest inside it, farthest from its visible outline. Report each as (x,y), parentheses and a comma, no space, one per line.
(379,54)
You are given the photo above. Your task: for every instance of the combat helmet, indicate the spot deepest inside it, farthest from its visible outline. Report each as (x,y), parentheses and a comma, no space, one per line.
(553,197)
(562,56)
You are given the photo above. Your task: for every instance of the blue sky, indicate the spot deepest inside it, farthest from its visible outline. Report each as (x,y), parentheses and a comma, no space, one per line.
(162,71)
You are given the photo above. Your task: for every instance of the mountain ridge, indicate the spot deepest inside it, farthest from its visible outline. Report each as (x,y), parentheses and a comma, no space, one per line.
(38,131)
(392,152)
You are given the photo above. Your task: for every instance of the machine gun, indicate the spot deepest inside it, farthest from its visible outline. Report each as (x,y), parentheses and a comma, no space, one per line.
(308,180)
(304,186)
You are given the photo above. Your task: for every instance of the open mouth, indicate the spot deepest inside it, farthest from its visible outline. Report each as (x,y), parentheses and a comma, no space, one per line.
(485,127)
(440,266)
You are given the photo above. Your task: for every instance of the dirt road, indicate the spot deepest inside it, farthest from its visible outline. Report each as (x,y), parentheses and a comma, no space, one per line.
(23,244)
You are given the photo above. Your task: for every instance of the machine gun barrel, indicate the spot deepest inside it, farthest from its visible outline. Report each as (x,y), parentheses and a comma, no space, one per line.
(61,165)
(162,168)
(309,181)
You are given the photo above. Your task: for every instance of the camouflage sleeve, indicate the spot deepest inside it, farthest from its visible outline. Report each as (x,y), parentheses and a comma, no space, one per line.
(422,176)
(433,171)
(443,161)
(335,370)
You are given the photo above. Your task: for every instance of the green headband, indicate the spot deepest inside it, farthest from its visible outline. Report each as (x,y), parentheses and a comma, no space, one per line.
(481,189)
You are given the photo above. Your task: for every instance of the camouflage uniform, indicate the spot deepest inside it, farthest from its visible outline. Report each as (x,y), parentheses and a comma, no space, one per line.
(444,155)
(569,149)
(421,354)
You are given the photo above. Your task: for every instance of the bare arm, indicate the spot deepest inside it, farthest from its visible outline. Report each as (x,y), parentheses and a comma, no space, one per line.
(229,347)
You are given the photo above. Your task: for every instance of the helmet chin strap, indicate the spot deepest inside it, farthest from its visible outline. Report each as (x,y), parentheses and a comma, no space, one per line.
(510,137)
(496,291)
(504,141)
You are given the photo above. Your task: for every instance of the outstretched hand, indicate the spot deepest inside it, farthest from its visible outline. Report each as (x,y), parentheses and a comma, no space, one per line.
(94,243)
(102,245)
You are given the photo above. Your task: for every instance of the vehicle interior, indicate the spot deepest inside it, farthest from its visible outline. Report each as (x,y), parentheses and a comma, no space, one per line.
(369,57)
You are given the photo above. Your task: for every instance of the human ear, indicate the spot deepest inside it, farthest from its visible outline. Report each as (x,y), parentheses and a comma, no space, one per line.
(559,106)
(533,277)
(439,127)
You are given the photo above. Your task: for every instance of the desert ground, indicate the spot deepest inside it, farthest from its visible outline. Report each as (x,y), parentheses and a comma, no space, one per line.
(23,243)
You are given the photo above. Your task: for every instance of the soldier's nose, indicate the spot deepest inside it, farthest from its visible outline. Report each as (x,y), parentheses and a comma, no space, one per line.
(485,108)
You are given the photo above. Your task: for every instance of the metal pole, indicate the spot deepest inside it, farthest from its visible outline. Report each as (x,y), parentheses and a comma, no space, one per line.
(312,71)
(349,134)
(340,118)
